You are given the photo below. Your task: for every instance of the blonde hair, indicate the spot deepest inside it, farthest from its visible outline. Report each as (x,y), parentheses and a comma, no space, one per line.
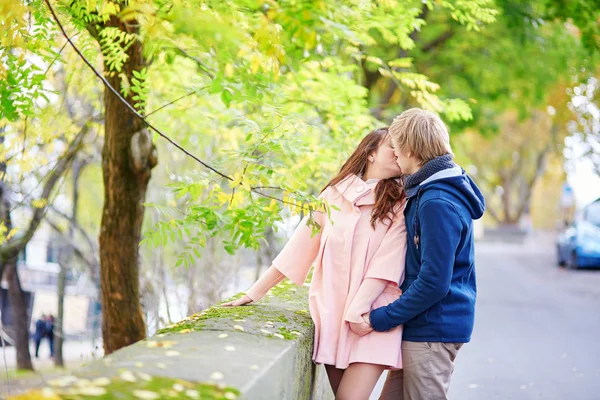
(420,133)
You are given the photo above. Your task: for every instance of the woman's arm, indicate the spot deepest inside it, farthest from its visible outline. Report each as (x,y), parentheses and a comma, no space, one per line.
(261,287)
(294,261)
(369,290)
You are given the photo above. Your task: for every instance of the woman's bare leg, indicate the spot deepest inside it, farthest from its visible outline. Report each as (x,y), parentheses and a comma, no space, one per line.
(358,381)
(335,376)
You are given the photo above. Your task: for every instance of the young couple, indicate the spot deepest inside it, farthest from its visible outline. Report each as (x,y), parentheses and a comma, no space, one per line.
(404,216)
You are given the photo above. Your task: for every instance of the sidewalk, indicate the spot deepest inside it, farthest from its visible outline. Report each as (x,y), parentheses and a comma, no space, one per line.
(75,353)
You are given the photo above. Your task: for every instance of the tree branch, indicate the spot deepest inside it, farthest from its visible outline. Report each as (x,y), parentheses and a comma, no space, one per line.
(202,66)
(77,227)
(92,264)
(12,247)
(440,40)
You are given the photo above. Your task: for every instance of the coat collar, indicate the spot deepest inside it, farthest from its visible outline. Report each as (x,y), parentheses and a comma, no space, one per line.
(357,191)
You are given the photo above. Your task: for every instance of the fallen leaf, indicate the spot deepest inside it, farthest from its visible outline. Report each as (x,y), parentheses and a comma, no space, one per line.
(49,393)
(229,348)
(145,376)
(266,332)
(102,381)
(277,335)
(185,331)
(239,320)
(238,328)
(178,387)
(63,381)
(145,394)
(161,365)
(217,376)
(92,391)
(172,353)
(223,336)
(128,376)
(194,394)
(82,383)
(254,367)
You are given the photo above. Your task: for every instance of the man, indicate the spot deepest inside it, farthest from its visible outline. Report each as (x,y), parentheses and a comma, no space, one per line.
(437,306)
(40,332)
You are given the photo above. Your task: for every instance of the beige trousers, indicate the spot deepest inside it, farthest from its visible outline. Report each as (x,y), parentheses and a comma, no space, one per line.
(426,373)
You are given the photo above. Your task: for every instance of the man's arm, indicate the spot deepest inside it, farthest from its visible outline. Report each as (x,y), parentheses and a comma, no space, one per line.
(441,228)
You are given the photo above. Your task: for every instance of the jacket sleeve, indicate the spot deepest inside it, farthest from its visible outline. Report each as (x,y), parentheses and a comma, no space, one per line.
(370,289)
(441,228)
(261,287)
(387,265)
(296,258)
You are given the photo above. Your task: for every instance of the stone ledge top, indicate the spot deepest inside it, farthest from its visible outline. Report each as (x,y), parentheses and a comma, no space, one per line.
(215,354)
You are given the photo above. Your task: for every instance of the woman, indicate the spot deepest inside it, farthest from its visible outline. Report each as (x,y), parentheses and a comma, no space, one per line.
(360,254)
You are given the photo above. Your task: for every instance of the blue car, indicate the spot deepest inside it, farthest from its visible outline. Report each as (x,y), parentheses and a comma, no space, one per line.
(579,245)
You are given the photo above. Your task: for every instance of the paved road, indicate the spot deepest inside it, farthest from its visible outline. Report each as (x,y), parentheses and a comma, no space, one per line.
(537,328)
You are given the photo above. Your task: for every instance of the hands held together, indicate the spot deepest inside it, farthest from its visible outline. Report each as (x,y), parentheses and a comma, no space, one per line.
(362,328)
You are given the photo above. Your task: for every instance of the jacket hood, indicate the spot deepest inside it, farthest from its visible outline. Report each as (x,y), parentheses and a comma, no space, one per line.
(456,182)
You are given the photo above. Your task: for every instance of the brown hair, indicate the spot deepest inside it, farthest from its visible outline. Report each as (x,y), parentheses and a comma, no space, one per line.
(420,133)
(388,192)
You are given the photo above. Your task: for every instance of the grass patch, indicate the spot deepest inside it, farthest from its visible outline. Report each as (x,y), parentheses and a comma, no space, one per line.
(142,389)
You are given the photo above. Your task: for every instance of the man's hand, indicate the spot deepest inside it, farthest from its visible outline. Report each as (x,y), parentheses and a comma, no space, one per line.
(239,302)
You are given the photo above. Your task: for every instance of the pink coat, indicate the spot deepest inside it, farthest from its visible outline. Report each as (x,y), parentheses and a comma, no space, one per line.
(348,252)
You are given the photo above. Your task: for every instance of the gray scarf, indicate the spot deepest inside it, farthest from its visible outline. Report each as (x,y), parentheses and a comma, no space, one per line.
(431,167)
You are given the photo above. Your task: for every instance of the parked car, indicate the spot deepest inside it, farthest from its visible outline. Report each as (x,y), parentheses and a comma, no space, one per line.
(579,245)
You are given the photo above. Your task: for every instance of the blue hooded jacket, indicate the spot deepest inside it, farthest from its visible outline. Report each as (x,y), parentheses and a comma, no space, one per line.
(438,300)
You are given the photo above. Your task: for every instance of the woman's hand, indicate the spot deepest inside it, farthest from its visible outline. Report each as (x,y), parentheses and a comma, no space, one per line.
(239,302)
(366,319)
(360,328)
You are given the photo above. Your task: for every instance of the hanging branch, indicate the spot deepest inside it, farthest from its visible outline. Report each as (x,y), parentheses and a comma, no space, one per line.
(129,106)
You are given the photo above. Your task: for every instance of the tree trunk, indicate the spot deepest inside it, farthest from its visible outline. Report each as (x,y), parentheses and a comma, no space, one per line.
(128,156)
(19,314)
(8,267)
(65,259)
(58,326)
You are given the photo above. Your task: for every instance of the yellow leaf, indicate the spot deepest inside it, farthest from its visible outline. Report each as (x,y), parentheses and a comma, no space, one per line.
(39,203)
(92,391)
(127,376)
(194,394)
(229,70)
(102,381)
(375,60)
(255,63)
(217,376)
(109,8)
(145,394)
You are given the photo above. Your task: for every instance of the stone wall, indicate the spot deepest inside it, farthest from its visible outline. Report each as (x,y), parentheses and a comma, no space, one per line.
(257,352)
